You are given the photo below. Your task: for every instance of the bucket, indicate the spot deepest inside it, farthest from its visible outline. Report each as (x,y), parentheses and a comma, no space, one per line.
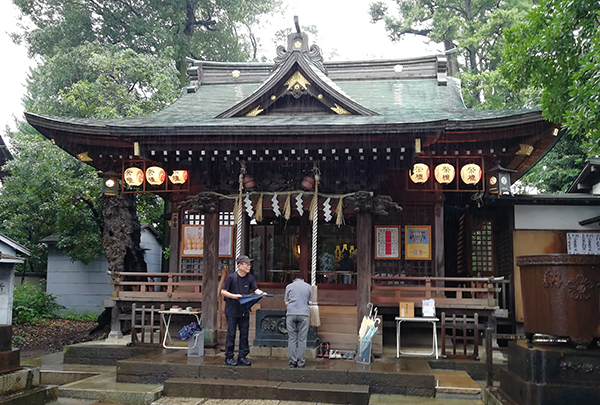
(363,352)
(196,344)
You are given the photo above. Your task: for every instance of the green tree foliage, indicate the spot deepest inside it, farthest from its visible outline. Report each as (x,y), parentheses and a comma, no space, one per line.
(559,168)
(208,30)
(556,49)
(471,31)
(113,58)
(101,81)
(48,192)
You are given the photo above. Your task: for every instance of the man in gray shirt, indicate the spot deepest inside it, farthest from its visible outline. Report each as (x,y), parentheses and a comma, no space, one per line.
(298,297)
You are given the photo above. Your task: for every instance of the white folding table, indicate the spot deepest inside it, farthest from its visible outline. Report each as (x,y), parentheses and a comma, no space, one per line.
(432,321)
(166,320)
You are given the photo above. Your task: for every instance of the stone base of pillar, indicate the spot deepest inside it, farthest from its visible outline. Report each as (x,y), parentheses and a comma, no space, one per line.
(10,361)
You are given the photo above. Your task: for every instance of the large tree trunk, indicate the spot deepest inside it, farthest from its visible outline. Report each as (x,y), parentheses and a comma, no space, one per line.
(122,234)
(450,49)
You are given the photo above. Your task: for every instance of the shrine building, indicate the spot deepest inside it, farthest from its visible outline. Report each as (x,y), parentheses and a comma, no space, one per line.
(368,178)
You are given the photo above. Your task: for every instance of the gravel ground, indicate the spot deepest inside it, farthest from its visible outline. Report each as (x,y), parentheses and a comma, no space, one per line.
(53,335)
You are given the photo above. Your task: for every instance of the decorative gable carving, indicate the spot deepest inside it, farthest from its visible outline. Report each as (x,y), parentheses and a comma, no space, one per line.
(298,86)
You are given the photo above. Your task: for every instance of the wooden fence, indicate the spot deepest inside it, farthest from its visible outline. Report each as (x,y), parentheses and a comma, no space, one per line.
(448,292)
(157,287)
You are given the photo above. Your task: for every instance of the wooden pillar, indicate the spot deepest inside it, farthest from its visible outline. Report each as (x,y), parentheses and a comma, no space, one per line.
(210,277)
(438,242)
(364,243)
(174,236)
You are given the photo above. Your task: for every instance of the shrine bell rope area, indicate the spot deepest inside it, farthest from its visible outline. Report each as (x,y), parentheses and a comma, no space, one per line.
(248,194)
(315,319)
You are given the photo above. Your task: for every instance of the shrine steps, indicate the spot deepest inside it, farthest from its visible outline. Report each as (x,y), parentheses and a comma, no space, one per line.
(265,390)
(160,376)
(345,377)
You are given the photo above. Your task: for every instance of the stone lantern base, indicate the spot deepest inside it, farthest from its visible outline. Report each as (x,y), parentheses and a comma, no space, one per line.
(10,359)
(551,374)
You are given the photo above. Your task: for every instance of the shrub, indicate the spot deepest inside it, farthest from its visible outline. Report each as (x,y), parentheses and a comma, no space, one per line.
(31,304)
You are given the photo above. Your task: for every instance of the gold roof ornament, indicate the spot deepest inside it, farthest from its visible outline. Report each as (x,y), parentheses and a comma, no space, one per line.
(235,74)
(419,173)
(297,79)
(444,173)
(84,156)
(340,110)
(257,110)
(524,149)
(471,173)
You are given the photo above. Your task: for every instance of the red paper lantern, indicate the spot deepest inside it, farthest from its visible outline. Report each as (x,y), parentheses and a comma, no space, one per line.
(134,176)
(471,173)
(155,175)
(419,173)
(179,176)
(444,173)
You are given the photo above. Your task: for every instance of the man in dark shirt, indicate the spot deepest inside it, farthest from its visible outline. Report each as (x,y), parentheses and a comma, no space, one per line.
(238,284)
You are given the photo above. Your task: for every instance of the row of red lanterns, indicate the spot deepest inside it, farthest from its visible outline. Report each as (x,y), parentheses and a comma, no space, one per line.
(444,173)
(156,176)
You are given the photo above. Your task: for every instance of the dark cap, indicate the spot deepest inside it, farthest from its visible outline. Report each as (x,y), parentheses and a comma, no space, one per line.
(243,259)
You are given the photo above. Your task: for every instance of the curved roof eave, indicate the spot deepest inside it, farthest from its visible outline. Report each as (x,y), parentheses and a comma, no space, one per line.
(465,121)
(235,126)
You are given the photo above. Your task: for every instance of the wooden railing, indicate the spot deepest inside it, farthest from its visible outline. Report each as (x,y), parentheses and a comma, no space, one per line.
(159,287)
(146,327)
(448,292)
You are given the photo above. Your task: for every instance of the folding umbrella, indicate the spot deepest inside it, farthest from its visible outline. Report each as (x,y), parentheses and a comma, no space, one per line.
(248,300)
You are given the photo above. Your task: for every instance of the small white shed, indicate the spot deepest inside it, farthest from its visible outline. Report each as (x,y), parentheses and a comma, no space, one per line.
(9,251)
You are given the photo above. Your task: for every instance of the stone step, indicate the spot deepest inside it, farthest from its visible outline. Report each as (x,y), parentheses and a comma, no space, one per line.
(455,384)
(406,377)
(102,354)
(42,394)
(104,388)
(261,389)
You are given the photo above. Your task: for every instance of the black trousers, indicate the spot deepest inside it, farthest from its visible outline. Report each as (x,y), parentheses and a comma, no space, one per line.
(243,324)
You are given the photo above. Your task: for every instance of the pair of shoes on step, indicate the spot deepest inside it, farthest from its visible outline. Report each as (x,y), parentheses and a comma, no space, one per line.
(335,354)
(324,350)
(242,361)
(348,355)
